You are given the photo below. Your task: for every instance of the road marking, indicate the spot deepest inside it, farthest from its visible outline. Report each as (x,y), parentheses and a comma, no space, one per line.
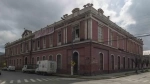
(145,81)
(48,79)
(26,80)
(18,81)
(44,79)
(39,80)
(11,81)
(55,79)
(32,80)
(3,82)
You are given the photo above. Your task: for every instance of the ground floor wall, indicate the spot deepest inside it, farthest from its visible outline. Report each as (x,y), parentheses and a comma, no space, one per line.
(89,58)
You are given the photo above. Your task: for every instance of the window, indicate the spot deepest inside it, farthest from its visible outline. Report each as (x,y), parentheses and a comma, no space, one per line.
(128,63)
(117,41)
(38,43)
(33,44)
(58,62)
(124,63)
(118,62)
(32,60)
(132,63)
(26,44)
(76,32)
(44,42)
(112,61)
(20,61)
(100,34)
(101,61)
(59,37)
(51,40)
(50,57)
(123,42)
(14,63)
(111,38)
(21,47)
(43,57)
(17,62)
(38,59)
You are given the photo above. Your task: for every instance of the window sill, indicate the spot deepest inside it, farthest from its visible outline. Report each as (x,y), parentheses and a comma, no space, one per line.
(51,46)
(59,43)
(76,39)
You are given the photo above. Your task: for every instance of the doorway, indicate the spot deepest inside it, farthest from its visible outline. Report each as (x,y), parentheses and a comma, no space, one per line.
(75,59)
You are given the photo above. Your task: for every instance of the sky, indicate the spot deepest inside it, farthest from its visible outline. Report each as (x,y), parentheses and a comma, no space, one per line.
(15,15)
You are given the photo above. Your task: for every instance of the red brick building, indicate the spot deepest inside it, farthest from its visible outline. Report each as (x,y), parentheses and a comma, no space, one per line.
(89,38)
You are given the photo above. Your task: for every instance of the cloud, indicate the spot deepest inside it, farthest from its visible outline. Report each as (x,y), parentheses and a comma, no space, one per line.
(16,15)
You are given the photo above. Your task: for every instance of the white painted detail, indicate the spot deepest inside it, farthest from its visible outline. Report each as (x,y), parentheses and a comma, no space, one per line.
(32,80)
(3,82)
(25,80)
(49,79)
(39,80)
(18,81)
(11,81)
(44,79)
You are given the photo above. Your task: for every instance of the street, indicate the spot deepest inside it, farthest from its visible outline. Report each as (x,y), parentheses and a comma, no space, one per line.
(143,78)
(25,78)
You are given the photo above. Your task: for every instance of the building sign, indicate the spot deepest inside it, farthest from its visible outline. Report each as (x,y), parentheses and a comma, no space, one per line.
(43,32)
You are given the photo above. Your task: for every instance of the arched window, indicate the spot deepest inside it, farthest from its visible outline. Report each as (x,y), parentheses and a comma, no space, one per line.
(128,63)
(17,62)
(32,60)
(26,60)
(132,63)
(43,57)
(112,61)
(14,63)
(118,62)
(37,59)
(59,62)
(101,61)
(50,57)
(20,61)
(124,62)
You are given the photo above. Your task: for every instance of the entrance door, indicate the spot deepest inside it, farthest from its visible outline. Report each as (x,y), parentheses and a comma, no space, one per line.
(75,59)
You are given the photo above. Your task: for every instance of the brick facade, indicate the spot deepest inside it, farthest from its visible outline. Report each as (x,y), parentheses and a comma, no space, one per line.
(91,55)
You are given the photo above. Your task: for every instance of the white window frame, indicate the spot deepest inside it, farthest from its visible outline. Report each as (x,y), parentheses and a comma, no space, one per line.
(100,34)
(44,42)
(51,40)
(111,38)
(38,42)
(59,33)
(75,37)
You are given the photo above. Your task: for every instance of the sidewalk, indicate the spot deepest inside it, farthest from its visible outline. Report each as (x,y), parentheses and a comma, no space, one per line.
(98,77)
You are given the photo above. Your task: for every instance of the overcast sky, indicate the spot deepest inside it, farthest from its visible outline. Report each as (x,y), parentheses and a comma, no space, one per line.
(15,15)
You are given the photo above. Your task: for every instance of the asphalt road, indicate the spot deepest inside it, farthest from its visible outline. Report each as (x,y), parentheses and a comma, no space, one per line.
(24,78)
(8,77)
(143,78)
